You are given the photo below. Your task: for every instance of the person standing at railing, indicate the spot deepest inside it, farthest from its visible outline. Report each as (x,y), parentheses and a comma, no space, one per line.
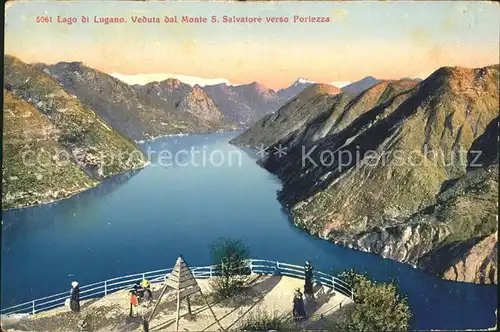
(147,289)
(74,302)
(308,285)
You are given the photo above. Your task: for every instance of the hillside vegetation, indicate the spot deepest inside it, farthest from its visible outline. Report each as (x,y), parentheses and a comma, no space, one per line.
(53,145)
(391,170)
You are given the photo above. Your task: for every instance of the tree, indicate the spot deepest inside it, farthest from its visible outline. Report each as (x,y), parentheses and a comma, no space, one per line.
(378,306)
(231,259)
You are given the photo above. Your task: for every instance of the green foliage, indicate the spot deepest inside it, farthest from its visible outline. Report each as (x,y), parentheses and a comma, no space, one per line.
(378,306)
(231,258)
(264,321)
(352,277)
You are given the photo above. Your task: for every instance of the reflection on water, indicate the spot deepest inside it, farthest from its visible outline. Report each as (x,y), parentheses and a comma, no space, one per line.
(143,220)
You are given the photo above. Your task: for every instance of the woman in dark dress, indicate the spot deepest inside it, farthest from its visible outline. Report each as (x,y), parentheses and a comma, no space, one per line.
(299,312)
(74,302)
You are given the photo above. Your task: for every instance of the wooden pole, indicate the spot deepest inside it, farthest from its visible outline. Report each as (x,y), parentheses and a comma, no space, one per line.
(213,313)
(189,305)
(157,302)
(208,305)
(178,309)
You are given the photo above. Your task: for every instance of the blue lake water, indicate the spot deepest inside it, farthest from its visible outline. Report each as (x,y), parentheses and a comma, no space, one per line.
(143,220)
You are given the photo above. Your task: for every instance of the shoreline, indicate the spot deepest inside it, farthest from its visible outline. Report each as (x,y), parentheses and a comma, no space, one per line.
(76,192)
(348,246)
(147,163)
(151,139)
(308,231)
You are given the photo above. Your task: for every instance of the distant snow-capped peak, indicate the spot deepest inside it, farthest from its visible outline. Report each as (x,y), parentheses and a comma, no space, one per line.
(338,84)
(147,78)
(302,80)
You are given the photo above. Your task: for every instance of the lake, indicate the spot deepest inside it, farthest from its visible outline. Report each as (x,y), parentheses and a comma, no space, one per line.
(198,188)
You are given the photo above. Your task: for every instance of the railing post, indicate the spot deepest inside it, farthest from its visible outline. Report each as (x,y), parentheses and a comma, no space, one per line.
(33,309)
(333,283)
(251,267)
(143,276)
(105,287)
(211,274)
(277,267)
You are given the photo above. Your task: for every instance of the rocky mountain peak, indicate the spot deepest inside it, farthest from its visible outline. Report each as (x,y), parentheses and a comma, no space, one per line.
(361,85)
(198,103)
(244,104)
(260,87)
(198,90)
(172,83)
(74,66)
(219,87)
(458,78)
(322,88)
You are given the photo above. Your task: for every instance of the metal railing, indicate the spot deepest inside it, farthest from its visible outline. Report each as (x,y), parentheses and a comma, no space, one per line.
(103,288)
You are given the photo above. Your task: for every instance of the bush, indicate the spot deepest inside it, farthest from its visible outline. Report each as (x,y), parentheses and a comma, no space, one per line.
(264,321)
(231,258)
(378,306)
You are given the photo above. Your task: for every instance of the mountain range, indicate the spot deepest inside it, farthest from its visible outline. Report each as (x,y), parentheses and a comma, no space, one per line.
(405,169)
(137,111)
(242,104)
(83,114)
(342,175)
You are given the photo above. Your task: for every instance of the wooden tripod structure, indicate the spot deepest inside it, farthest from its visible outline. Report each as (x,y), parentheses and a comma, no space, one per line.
(182,280)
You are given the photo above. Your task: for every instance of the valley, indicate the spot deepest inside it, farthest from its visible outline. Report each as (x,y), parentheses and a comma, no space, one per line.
(68,126)
(359,138)
(387,170)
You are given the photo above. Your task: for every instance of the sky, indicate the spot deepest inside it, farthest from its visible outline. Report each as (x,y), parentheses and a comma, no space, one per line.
(387,40)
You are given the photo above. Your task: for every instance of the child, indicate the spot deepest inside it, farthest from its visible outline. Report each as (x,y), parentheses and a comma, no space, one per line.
(133,304)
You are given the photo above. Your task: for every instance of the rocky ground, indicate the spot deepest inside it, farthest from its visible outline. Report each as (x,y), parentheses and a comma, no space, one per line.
(270,294)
